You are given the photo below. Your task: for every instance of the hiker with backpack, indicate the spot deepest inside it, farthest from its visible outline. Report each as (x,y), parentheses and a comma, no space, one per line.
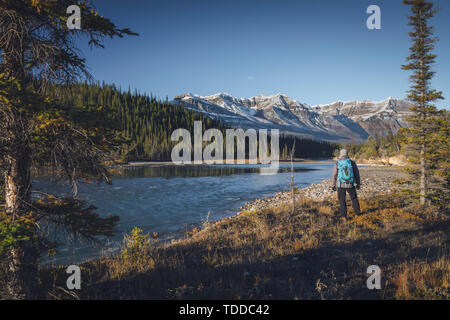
(346,179)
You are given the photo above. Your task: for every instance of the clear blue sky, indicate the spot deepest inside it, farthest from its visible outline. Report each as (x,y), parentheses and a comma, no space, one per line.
(316,51)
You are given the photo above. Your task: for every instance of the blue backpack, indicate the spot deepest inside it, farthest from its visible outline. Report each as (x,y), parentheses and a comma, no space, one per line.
(345,172)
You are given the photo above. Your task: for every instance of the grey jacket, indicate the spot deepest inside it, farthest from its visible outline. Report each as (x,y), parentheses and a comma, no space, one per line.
(355,174)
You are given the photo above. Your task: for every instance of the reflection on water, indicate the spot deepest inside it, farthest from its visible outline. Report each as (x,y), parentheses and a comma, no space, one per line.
(170,199)
(192,171)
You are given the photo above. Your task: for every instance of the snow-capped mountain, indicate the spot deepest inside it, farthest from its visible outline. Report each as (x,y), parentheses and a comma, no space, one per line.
(337,122)
(375,117)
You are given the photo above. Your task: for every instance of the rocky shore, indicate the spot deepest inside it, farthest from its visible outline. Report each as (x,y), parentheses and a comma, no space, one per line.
(374,180)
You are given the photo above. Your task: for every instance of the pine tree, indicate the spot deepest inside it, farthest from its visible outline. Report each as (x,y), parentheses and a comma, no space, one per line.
(36,49)
(425,119)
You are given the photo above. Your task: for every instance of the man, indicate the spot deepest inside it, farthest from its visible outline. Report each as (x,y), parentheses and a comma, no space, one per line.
(346,179)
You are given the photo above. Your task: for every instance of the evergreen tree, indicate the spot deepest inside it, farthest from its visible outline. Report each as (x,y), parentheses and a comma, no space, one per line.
(36,44)
(425,120)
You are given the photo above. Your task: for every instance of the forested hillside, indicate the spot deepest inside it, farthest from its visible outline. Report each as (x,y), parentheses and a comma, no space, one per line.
(149,122)
(376,147)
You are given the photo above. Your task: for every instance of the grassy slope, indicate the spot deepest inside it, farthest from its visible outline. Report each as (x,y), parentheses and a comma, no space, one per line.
(277,254)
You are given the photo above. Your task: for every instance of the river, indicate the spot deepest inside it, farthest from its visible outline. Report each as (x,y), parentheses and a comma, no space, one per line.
(172,199)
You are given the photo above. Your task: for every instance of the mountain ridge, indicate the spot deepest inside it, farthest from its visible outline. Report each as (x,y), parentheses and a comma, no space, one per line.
(340,121)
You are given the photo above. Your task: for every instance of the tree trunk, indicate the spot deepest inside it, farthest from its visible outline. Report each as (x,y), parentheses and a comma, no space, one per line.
(23,271)
(292,178)
(22,260)
(292,185)
(423,181)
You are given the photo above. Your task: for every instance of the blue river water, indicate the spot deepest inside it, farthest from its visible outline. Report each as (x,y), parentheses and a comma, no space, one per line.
(172,199)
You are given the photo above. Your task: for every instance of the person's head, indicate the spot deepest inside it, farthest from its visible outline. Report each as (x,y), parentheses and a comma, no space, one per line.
(343,154)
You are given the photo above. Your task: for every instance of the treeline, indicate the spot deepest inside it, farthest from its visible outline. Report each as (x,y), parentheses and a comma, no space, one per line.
(148,122)
(306,148)
(376,147)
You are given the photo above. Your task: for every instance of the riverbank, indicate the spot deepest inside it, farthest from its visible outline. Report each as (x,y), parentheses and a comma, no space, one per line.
(375,180)
(271,252)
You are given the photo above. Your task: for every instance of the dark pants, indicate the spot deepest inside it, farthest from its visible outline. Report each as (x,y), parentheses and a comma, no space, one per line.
(343,205)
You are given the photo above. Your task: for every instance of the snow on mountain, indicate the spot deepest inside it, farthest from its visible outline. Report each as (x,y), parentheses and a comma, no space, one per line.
(375,117)
(338,122)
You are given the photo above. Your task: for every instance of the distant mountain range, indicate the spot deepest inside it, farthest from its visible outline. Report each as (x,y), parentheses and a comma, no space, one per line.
(336,122)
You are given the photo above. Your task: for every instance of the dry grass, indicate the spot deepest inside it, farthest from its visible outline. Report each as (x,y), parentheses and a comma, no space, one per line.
(423,279)
(277,254)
